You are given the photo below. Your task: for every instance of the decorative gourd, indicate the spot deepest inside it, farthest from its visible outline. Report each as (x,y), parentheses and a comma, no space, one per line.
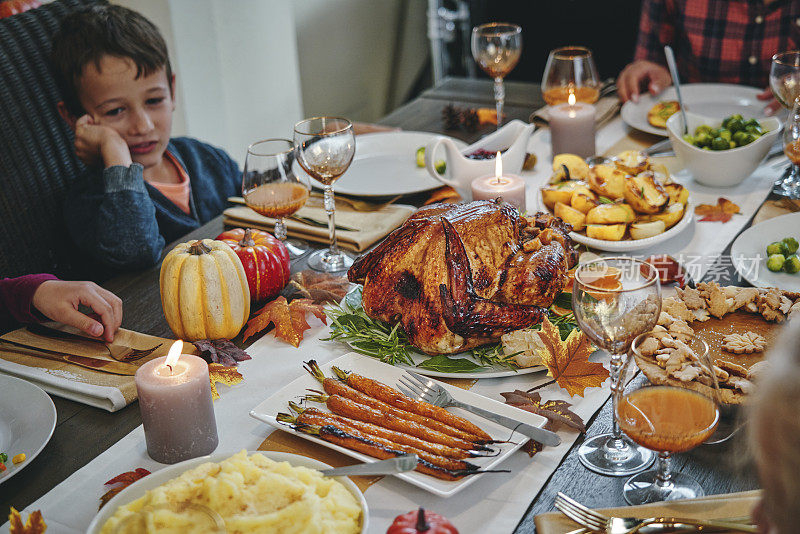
(265,260)
(204,291)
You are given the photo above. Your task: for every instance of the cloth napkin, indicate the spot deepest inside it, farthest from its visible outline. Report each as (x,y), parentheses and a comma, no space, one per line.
(605,109)
(364,228)
(710,507)
(95,388)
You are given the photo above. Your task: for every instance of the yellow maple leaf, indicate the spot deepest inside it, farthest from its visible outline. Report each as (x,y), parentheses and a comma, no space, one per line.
(34,525)
(568,362)
(229,376)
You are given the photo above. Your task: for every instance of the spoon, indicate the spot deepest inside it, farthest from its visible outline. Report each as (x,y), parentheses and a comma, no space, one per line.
(400,464)
(673,70)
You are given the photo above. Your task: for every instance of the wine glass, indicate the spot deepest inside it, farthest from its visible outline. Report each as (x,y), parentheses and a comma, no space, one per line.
(325,148)
(271,188)
(615,300)
(570,70)
(669,419)
(784,79)
(496,47)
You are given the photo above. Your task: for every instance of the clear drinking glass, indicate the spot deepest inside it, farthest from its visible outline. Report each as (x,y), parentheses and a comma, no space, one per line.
(271,188)
(325,147)
(784,79)
(496,48)
(615,300)
(668,419)
(570,70)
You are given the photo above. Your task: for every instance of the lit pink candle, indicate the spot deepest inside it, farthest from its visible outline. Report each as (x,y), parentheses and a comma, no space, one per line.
(572,128)
(506,186)
(175,402)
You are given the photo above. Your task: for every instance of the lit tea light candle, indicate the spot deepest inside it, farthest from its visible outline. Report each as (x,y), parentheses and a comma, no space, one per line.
(506,186)
(572,128)
(175,402)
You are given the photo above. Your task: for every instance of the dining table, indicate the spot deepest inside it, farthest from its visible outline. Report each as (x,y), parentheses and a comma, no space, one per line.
(83,433)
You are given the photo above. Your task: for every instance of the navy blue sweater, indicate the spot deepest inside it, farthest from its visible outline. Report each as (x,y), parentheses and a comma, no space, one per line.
(124,222)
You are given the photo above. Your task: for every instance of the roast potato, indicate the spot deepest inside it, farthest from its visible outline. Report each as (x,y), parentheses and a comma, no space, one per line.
(576,165)
(560,192)
(644,193)
(632,162)
(570,215)
(643,230)
(670,215)
(607,181)
(606,232)
(583,202)
(610,214)
(677,193)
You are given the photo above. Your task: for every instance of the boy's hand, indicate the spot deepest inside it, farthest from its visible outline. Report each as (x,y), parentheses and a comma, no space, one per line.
(99,145)
(59,300)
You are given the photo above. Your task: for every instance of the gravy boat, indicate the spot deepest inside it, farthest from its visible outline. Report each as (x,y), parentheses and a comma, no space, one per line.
(461,170)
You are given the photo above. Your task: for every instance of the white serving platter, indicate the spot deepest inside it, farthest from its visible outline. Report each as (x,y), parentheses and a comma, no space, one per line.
(267,411)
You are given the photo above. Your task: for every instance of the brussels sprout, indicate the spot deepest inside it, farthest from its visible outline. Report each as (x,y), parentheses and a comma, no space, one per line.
(776,247)
(421,156)
(719,144)
(725,134)
(755,130)
(703,128)
(689,139)
(751,122)
(790,244)
(740,138)
(737,116)
(702,139)
(792,264)
(735,125)
(713,132)
(775,262)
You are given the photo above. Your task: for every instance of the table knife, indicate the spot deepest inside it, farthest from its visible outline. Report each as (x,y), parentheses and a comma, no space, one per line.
(95,364)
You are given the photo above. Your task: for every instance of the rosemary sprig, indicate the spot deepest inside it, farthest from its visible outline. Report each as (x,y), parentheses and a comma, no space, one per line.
(494,355)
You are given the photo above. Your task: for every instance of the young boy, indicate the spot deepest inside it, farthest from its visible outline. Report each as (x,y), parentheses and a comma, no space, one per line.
(142,189)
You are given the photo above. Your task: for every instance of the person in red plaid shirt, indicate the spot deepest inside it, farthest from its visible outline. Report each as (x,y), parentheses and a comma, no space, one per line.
(725,41)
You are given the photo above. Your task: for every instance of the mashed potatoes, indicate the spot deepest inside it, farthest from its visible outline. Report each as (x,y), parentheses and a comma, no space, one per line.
(252,494)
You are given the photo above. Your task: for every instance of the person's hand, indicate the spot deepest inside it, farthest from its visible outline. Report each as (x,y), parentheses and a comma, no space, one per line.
(59,300)
(98,145)
(772,105)
(642,75)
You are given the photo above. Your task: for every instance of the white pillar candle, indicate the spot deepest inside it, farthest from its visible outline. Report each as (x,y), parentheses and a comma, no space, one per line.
(177,411)
(572,128)
(509,187)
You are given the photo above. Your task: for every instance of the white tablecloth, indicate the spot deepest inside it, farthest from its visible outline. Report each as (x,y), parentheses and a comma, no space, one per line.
(494,504)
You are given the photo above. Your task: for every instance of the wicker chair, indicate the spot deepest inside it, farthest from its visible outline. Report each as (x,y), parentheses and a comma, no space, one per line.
(37,158)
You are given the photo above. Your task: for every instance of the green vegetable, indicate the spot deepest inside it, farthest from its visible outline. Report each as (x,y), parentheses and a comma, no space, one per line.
(702,139)
(775,262)
(3,457)
(776,247)
(735,125)
(725,134)
(446,364)
(740,138)
(790,244)
(702,129)
(440,166)
(421,156)
(734,132)
(719,144)
(755,130)
(792,264)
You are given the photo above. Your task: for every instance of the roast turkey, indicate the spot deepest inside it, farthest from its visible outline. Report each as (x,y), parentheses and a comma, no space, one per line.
(457,276)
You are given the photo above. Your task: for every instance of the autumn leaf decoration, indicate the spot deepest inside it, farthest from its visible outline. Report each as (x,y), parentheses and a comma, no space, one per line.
(289,319)
(219,373)
(120,482)
(34,525)
(320,287)
(568,362)
(721,212)
(557,413)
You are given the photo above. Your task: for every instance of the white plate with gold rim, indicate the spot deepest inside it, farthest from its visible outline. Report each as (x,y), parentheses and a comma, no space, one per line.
(157,478)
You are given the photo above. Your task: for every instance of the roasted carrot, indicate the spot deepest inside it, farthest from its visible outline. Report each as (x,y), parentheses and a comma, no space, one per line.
(333,386)
(350,409)
(392,397)
(321,419)
(370,448)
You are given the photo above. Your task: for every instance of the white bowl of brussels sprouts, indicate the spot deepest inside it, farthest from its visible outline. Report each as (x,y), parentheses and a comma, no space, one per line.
(722,153)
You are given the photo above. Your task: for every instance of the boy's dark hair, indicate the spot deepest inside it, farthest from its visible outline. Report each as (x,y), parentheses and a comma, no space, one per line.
(87,35)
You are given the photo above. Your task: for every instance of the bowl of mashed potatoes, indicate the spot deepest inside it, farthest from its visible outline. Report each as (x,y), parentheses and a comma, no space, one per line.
(261,491)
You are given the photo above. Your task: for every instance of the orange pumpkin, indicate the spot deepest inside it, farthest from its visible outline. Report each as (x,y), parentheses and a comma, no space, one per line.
(265,260)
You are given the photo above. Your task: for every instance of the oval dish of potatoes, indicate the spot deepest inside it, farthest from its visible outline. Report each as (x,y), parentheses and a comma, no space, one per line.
(622,203)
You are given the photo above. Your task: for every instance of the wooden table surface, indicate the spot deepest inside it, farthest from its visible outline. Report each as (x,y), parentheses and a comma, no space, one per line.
(83,432)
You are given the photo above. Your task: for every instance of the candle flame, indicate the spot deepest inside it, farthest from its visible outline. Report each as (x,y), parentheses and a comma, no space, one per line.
(173,354)
(571,98)
(498,166)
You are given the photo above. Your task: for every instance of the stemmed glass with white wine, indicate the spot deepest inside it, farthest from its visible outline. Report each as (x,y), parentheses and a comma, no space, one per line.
(615,300)
(325,147)
(570,70)
(784,79)
(270,187)
(496,47)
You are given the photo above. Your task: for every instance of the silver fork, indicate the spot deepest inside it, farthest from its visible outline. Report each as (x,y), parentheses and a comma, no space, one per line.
(415,385)
(629,525)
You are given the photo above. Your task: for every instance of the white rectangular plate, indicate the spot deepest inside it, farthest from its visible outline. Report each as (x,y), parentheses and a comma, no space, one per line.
(389,375)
